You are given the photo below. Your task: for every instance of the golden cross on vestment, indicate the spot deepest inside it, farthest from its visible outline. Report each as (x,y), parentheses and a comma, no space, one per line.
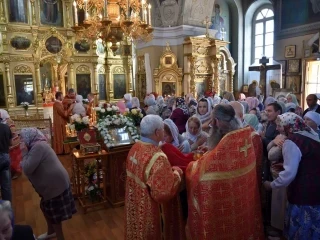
(208,24)
(245,148)
(133,159)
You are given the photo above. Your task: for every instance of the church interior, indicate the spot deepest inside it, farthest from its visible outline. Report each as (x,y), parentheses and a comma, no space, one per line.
(110,48)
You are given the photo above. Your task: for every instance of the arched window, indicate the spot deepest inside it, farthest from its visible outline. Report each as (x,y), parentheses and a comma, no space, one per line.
(263,33)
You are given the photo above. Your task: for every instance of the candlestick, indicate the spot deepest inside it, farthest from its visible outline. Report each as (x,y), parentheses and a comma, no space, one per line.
(105,8)
(75,13)
(149,13)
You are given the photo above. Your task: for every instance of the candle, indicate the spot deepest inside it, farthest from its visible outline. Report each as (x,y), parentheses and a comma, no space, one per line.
(145,15)
(66,129)
(142,7)
(128,8)
(149,12)
(85,10)
(100,16)
(105,8)
(75,13)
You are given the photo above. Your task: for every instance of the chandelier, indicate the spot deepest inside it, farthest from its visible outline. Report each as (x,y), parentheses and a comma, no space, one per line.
(113,21)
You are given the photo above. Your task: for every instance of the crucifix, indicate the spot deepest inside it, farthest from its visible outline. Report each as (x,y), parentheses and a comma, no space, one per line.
(208,24)
(223,33)
(263,68)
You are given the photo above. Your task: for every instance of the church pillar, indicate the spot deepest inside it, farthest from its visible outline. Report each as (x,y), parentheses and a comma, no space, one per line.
(2,13)
(216,74)
(129,75)
(10,99)
(95,79)
(231,73)
(192,75)
(68,13)
(109,83)
(71,76)
(33,12)
(39,100)
(55,76)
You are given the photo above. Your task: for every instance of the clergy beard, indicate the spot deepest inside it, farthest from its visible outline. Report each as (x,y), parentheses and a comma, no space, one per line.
(216,134)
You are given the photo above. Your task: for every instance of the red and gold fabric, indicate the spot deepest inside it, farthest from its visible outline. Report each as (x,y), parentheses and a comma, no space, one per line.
(223,197)
(258,150)
(150,208)
(60,119)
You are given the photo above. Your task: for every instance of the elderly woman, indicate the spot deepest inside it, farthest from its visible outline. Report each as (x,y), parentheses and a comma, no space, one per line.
(161,105)
(204,113)
(291,98)
(150,101)
(180,115)
(301,173)
(50,180)
(136,105)
(194,133)
(312,119)
(78,107)
(14,150)
(9,231)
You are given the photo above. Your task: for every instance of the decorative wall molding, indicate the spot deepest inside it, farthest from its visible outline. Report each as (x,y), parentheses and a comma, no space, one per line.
(83,69)
(22,69)
(118,70)
(102,70)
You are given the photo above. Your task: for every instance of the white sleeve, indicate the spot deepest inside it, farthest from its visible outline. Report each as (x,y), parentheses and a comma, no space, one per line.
(291,160)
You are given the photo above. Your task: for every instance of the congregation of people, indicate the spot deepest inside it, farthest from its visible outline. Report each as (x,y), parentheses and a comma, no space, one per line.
(256,175)
(207,168)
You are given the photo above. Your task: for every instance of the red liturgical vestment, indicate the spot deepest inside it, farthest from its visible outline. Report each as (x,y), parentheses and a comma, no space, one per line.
(223,196)
(151,185)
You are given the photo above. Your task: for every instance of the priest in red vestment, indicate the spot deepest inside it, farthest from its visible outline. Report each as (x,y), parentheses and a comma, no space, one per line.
(69,99)
(223,196)
(150,185)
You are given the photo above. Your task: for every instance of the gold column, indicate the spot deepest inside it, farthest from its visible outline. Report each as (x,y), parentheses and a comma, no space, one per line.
(95,79)
(39,100)
(71,76)
(231,73)
(192,75)
(33,12)
(129,75)
(109,83)
(55,76)
(216,74)
(68,7)
(10,101)
(2,13)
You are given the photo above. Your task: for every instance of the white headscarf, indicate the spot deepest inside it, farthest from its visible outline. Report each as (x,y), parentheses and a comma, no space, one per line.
(135,102)
(78,107)
(79,99)
(216,100)
(207,115)
(4,115)
(188,135)
(314,116)
(174,131)
(128,97)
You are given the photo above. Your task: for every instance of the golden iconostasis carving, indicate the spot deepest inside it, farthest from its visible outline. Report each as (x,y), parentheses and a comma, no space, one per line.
(40,55)
(168,77)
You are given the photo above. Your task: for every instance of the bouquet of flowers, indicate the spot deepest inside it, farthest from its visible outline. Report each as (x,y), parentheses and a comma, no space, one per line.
(135,115)
(25,105)
(106,109)
(92,190)
(80,122)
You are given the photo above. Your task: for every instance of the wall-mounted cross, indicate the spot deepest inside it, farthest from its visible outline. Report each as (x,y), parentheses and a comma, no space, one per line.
(208,24)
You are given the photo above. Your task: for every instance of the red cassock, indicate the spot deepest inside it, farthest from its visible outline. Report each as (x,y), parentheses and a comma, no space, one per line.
(175,157)
(151,184)
(223,197)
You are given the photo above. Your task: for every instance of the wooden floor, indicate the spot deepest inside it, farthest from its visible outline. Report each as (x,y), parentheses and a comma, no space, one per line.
(94,225)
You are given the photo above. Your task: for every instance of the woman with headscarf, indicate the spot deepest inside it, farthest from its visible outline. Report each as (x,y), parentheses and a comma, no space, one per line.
(204,113)
(253,121)
(150,101)
(122,106)
(173,142)
(242,97)
(268,101)
(14,150)
(193,104)
(216,101)
(78,106)
(312,119)
(161,105)
(127,100)
(136,105)
(50,180)
(180,114)
(291,98)
(228,96)
(253,102)
(194,133)
(301,173)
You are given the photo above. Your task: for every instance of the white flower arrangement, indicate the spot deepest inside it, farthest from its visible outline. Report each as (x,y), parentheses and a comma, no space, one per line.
(25,105)
(118,121)
(79,122)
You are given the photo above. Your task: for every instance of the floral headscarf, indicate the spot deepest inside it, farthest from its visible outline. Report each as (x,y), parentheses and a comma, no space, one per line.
(174,131)
(180,103)
(292,123)
(32,136)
